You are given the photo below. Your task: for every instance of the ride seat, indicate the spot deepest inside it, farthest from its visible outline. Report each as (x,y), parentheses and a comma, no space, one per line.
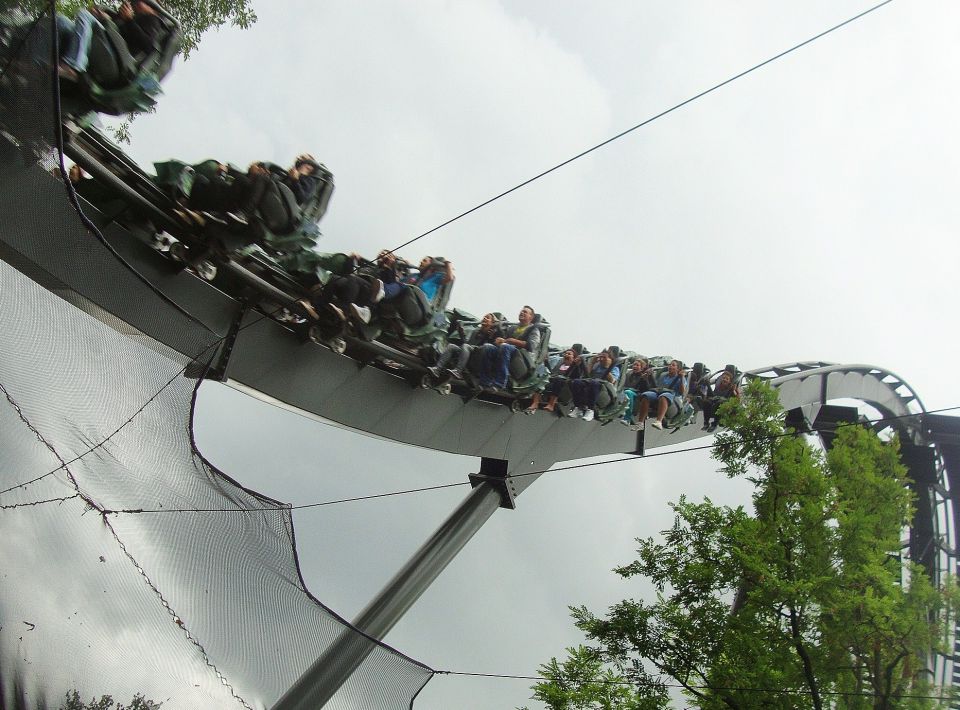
(112,66)
(411,307)
(523,363)
(279,210)
(110,63)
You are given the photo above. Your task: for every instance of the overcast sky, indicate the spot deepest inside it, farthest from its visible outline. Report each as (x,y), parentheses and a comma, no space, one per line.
(804,212)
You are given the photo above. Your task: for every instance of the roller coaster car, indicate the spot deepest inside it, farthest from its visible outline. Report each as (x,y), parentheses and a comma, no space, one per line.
(412,323)
(286,231)
(611,402)
(116,81)
(274,275)
(681,411)
(526,373)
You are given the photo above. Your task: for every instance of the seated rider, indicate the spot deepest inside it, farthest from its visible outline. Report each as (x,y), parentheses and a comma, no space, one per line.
(495,364)
(345,293)
(459,355)
(137,22)
(388,271)
(239,197)
(724,389)
(302,178)
(639,379)
(671,387)
(585,389)
(434,272)
(570,367)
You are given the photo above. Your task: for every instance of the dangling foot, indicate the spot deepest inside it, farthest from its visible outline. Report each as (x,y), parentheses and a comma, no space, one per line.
(337,312)
(191,218)
(308,308)
(361,313)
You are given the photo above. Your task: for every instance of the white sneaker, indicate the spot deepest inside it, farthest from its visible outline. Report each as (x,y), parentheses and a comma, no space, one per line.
(575,413)
(588,415)
(361,312)
(657,424)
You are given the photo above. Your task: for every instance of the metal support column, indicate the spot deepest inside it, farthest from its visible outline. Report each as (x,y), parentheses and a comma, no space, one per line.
(324,677)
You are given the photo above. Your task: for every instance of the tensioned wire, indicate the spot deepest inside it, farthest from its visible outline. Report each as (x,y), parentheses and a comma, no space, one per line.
(572,467)
(646,122)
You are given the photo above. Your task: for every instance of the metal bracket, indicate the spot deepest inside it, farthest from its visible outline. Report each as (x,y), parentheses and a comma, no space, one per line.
(218,371)
(494,471)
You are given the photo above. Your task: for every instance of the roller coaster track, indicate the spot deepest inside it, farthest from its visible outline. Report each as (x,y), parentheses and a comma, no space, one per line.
(41,236)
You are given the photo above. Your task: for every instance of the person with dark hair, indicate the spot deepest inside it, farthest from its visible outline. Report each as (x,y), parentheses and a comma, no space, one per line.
(434,272)
(302,178)
(570,367)
(523,337)
(671,387)
(459,355)
(239,197)
(137,22)
(139,25)
(724,389)
(586,389)
(639,379)
(388,271)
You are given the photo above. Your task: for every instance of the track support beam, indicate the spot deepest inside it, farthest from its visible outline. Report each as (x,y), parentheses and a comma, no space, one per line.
(320,682)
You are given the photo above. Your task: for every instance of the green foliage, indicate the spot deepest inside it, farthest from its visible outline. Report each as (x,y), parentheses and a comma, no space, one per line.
(802,602)
(582,683)
(195,16)
(72,701)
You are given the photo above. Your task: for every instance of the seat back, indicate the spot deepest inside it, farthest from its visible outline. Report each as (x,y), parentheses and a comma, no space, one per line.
(315,204)
(607,396)
(120,81)
(278,209)
(168,45)
(411,307)
(523,363)
(110,63)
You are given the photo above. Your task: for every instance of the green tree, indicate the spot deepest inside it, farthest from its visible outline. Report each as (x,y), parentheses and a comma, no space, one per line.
(72,701)
(804,602)
(195,16)
(583,682)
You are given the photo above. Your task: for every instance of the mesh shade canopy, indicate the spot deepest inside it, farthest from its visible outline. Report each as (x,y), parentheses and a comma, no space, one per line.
(192,609)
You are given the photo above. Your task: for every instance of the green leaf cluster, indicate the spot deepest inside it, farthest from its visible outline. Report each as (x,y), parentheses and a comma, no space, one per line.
(802,602)
(72,701)
(195,16)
